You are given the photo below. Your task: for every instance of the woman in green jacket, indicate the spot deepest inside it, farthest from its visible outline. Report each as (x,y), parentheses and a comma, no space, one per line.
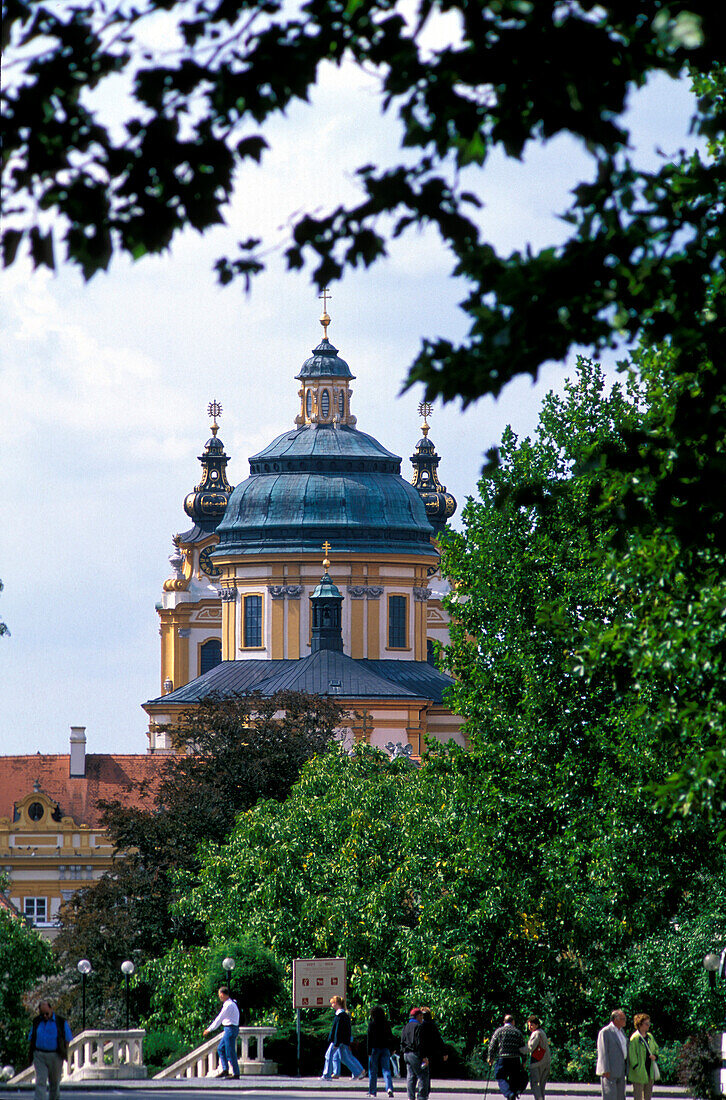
(642,1064)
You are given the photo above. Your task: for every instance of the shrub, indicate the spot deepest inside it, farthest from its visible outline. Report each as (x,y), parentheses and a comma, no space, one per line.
(696,1065)
(668,1057)
(163,1048)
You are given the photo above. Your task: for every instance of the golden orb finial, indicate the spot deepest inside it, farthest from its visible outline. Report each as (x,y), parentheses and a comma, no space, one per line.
(214,409)
(425,409)
(326,548)
(324,316)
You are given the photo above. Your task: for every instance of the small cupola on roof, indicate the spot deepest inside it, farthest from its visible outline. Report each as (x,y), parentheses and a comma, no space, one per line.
(325,605)
(440,505)
(325,394)
(206,504)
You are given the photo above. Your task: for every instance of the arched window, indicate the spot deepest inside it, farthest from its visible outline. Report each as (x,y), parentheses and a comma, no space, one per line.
(309,404)
(210,655)
(325,404)
(341,403)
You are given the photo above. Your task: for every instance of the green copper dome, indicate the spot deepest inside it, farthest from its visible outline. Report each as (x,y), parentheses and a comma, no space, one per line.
(325,481)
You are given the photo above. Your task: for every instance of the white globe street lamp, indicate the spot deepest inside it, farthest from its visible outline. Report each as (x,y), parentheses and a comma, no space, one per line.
(127,969)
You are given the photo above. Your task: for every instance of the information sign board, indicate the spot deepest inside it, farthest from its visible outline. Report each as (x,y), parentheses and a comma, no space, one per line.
(315,981)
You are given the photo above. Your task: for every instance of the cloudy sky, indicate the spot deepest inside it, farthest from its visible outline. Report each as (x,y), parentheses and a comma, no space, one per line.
(104,388)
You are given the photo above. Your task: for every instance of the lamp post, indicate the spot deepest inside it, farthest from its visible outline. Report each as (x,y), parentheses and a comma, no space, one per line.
(711,965)
(84,967)
(127,969)
(229,965)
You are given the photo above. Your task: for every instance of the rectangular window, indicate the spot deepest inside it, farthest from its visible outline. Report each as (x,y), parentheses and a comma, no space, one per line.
(36,910)
(397,616)
(253,622)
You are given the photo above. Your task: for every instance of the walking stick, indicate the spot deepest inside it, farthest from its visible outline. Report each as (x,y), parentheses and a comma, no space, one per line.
(486,1087)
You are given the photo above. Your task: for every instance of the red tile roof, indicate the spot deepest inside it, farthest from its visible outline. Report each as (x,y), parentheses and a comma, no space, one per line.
(107,776)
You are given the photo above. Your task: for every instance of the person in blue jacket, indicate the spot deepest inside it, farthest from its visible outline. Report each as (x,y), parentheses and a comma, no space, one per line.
(49,1037)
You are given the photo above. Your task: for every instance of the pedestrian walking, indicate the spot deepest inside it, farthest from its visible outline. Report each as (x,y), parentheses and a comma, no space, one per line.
(228,1019)
(433,1042)
(416,1056)
(49,1037)
(506,1050)
(380,1045)
(612,1055)
(339,1039)
(643,1069)
(540,1057)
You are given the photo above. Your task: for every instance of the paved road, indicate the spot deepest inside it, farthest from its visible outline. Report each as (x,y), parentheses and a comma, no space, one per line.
(280,1088)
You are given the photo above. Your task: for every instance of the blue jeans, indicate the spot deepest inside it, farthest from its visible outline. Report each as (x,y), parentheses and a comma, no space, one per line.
(349,1059)
(511,1077)
(379,1061)
(227,1049)
(332,1062)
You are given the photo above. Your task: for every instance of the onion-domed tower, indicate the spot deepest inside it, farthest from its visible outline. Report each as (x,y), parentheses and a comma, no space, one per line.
(190,613)
(440,505)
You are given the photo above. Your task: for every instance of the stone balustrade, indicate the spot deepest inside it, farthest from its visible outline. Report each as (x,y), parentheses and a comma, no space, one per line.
(204,1061)
(99,1056)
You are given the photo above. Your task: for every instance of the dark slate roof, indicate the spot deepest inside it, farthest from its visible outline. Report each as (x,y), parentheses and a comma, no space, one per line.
(419,677)
(325,363)
(315,446)
(318,674)
(200,530)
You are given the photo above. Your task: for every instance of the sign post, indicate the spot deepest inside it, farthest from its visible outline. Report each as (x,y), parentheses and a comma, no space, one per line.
(314,982)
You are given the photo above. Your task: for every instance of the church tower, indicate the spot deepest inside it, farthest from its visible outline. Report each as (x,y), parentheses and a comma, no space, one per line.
(189,613)
(440,507)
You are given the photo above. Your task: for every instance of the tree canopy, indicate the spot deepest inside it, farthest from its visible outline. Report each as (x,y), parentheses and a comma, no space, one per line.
(230,753)
(539,870)
(463,79)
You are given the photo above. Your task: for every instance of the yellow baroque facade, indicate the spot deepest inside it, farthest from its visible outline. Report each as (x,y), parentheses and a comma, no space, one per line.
(237,610)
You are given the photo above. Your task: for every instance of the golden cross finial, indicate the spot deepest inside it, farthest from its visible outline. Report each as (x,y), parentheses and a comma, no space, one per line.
(324,318)
(214,409)
(326,548)
(425,409)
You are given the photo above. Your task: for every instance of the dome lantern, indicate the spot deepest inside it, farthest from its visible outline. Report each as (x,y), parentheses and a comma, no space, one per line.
(325,394)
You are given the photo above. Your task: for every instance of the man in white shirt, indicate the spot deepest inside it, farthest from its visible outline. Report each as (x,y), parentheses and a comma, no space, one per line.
(228,1018)
(612,1053)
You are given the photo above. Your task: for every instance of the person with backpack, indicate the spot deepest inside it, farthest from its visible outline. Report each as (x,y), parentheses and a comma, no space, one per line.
(416,1055)
(380,1045)
(49,1038)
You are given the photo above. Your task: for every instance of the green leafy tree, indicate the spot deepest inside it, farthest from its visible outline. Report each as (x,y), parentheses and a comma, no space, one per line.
(670,644)
(24,958)
(230,753)
(185,981)
(447,884)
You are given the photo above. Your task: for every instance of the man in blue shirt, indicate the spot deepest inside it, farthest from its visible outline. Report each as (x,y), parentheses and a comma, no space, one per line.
(49,1038)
